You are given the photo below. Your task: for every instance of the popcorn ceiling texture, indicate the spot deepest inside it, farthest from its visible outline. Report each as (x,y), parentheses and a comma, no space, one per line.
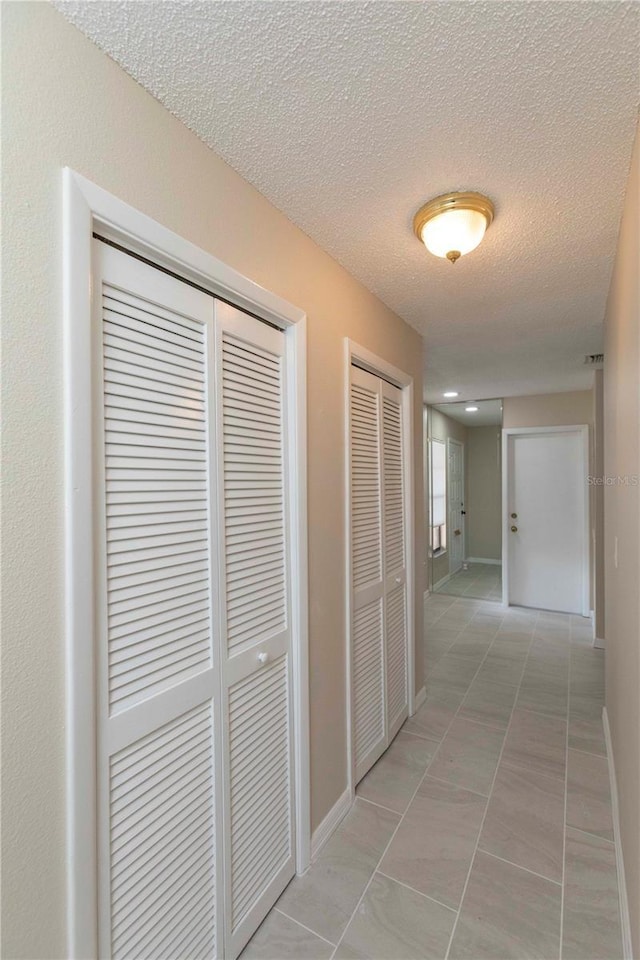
(348,116)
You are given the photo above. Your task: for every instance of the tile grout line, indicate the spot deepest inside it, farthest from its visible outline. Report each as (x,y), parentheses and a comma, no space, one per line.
(397,827)
(487,799)
(588,753)
(304,926)
(594,836)
(374,803)
(380,859)
(486,809)
(450,783)
(408,886)
(519,866)
(456,715)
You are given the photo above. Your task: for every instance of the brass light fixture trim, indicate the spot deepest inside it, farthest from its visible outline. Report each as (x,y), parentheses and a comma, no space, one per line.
(452,201)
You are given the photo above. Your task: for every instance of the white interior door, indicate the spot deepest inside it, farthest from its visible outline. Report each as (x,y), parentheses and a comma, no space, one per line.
(195,771)
(545,532)
(256,656)
(367,611)
(379,637)
(395,568)
(158,835)
(455,496)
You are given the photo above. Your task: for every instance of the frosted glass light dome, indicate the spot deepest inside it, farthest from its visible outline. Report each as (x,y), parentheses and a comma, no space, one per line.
(454,224)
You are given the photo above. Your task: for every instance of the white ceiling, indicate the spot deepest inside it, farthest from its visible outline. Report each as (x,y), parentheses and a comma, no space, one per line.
(350,115)
(489,412)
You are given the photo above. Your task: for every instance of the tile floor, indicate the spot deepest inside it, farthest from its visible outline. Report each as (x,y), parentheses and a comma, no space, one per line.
(485,829)
(482,581)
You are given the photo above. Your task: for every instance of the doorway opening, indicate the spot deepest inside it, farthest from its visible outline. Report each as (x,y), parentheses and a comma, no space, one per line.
(379,558)
(546,518)
(463,477)
(186,450)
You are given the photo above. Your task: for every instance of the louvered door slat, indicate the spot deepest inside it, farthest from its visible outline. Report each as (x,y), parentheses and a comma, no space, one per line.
(365,472)
(394,559)
(158,832)
(367,626)
(257,669)
(140,801)
(379,621)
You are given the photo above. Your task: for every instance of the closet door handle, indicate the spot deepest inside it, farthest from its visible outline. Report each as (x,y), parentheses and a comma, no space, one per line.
(398,579)
(263,657)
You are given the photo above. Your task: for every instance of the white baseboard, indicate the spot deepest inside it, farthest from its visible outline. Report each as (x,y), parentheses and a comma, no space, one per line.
(627,948)
(324,829)
(495,563)
(419,698)
(441,582)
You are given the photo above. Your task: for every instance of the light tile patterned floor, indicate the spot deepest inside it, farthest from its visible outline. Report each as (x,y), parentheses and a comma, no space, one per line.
(485,829)
(482,581)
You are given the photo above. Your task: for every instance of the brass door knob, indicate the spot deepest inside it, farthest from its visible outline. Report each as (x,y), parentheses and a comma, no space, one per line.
(457,533)
(514,529)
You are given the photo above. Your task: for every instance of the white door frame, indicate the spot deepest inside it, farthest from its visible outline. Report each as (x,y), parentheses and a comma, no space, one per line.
(463,525)
(361,357)
(508,432)
(88,208)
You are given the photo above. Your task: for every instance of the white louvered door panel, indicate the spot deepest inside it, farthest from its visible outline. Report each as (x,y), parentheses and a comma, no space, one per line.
(394,558)
(156,663)
(367,589)
(255,629)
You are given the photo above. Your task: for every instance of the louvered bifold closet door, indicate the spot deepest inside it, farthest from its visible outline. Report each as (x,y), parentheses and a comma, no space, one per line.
(367,609)
(395,572)
(256,635)
(155,656)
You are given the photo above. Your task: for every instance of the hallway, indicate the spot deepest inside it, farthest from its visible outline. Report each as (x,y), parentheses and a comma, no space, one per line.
(485,830)
(481,581)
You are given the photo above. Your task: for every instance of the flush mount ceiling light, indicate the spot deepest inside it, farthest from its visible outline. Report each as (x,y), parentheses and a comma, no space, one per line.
(453,224)
(450,393)
(471,409)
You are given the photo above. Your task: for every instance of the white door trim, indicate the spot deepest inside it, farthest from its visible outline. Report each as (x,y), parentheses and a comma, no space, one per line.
(463,525)
(508,432)
(88,208)
(361,357)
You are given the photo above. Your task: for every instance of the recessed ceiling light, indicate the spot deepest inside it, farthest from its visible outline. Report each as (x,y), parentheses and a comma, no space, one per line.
(450,393)
(471,409)
(453,224)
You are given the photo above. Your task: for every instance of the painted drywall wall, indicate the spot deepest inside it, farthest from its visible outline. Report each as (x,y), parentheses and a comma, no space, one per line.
(622,532)
(548,410)
(442,427)
(483,479)
(598,507)
(66,103)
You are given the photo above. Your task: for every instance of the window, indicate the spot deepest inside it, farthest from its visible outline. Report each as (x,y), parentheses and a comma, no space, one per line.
(438,498)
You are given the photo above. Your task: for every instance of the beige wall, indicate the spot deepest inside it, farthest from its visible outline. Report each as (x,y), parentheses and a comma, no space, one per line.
(548,410)
(483,478)
(66,103)
(598,505)
(622,524)
(441,427)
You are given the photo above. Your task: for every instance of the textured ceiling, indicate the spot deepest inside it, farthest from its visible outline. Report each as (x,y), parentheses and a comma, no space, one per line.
(489,413)
(349,115)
